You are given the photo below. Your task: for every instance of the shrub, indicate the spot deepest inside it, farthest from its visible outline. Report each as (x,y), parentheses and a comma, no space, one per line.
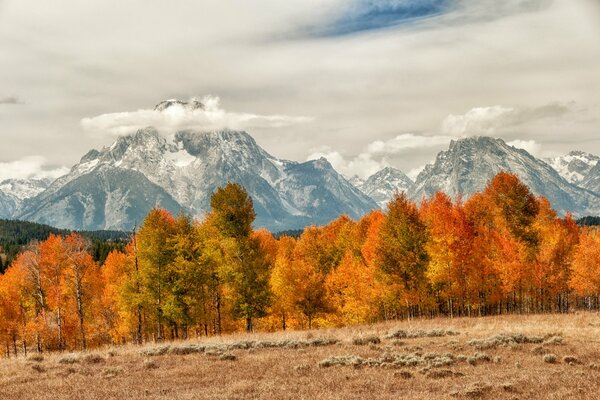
(36,358)
(550,358)
(155,351)
(38,368)
(110,372)
(570,360)
(504,340)
(364,340)
(404,374)
(227,357)
(403,334)
(477,389)
(93,359)
(540,350)
(442,373)
(69,359)
(477,358)
(556,339)
(149,364)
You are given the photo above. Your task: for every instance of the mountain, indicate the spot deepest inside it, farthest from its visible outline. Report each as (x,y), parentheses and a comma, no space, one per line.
(468,165)
(592,179)
(115,187)
(105,198)
(574,166)
(14,191)
(382,185)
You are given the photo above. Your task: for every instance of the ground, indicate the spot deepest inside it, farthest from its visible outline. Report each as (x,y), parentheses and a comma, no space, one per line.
(509,357)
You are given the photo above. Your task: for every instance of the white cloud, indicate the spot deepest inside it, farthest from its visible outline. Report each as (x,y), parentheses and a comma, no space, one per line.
(32,167)
(493,119)
(405,142)
(413,173)
(531,146)
(362,165)
(178,116)
(378,154)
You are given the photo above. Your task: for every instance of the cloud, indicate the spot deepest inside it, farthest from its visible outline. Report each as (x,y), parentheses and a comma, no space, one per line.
(362,165)
(413,173)
(404,143)
(491,120)
(204,114)
(31,167)
(531,146)
(10,100)
(380,154)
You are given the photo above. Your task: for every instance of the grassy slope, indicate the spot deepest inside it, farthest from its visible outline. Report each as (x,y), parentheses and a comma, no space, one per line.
(282,373)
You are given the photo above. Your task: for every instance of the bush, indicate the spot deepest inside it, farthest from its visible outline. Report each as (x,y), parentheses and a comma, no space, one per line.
(149,364)
(38,368)
(111,372)
(403,334)
(570,360)
(442,373)
(69,359)
(404,374)
(93,359)
(227,357)
(550,358)
(36,358)
(364,340)
(504,340)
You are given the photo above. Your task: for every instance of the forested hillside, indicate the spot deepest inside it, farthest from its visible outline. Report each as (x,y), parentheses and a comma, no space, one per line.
(503,251)
(15,235)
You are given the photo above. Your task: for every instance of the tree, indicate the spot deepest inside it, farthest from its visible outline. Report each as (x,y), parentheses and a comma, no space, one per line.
(247,269)
(401,251)
(233,211)
(585,270)
(155,257)
(452,268)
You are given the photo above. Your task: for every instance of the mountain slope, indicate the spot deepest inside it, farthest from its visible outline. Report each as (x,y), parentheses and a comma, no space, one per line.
(575,166)
(14,191)
(183,173)
(592,180)
(105,198)
(382,185)
(468,165)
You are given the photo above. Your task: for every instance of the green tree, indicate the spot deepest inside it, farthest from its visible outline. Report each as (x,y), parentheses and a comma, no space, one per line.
(401,249)
(246,269)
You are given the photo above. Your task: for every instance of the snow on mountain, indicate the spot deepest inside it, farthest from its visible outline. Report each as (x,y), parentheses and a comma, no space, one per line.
(14,191)
(182,173)
(468,165)
(592,179)
(24,188)
(105,197)
(382,185)
(574,166)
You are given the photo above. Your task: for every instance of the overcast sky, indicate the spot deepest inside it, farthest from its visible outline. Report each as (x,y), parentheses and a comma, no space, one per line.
(365,83)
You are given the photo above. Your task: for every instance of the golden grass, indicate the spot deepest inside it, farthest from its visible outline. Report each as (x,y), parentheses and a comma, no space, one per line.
(221,370)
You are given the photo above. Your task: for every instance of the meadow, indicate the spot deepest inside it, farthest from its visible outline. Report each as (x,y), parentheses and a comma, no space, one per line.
(551,356)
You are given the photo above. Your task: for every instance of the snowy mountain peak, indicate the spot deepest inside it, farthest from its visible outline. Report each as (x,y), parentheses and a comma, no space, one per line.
(24,188)
(192,104)
(574,166)
(468,165)
(382,185)
(112,187)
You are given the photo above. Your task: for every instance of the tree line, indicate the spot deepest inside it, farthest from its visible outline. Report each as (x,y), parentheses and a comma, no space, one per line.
(502,251)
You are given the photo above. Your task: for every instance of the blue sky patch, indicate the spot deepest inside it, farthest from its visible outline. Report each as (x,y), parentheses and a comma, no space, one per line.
(369,15)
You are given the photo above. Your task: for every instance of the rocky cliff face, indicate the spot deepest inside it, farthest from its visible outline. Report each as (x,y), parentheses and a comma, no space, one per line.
(468,165)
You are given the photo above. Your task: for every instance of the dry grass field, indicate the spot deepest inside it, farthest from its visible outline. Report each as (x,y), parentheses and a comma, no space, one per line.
(510,357)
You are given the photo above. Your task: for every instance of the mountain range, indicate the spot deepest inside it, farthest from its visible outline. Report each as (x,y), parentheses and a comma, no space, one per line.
(114,188)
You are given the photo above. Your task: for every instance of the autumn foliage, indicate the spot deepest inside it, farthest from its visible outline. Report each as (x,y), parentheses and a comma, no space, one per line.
(501,251)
